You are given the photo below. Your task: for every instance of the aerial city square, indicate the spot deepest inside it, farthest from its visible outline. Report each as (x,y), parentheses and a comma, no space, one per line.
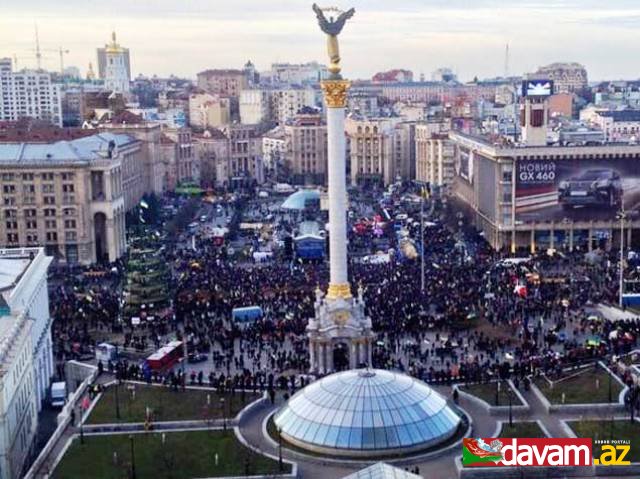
(344,260)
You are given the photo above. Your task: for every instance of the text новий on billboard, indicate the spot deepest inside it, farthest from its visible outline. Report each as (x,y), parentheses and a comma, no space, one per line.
(576,190)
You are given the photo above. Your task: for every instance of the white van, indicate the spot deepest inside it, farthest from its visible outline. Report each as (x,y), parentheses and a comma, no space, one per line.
(58,394)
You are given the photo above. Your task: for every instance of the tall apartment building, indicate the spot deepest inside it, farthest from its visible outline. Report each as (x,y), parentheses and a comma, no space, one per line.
(26,356)
(434,157)
(306,138)
(287,102)
(28,93)
(274,148)
(207,110)
(70,196)
(223,82)
(255,106)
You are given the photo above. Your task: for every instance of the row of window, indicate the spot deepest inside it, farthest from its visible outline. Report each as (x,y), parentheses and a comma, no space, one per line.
(14,238)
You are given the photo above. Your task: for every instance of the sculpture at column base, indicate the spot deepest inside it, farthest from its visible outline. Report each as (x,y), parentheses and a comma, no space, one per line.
(338,321)
(339,291)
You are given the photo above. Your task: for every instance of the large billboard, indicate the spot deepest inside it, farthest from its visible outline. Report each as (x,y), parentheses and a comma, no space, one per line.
(464,164)
(576,190)
(537,88)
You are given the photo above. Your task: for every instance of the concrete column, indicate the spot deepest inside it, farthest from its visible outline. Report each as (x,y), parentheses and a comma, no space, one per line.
(533,241)
(313,367)
(111,238)
(337,196)
(353,356)
(369,352)
(571,239)
(324,363)
(363,352)
(330,366)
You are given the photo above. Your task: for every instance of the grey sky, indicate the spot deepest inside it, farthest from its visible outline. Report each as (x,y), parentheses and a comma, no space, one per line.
(186,36)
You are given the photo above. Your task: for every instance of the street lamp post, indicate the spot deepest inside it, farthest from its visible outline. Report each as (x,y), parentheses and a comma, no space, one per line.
(133,457)
(422,241)
(117,400)
(280,465)
(510,408)
(622,215)
(224,415)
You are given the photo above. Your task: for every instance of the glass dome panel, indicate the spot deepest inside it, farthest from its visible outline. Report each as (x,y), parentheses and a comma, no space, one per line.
(367,410)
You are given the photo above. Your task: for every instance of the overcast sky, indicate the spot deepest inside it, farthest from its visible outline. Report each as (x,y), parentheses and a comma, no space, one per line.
(187,36)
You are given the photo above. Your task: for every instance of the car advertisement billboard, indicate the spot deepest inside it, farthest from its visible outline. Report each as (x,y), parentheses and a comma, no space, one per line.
(576,190)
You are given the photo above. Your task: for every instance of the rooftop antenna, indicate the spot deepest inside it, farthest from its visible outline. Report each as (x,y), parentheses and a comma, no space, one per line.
(38,53)
(506,61)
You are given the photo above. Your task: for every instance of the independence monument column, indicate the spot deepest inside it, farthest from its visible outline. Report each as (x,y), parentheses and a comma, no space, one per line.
(340,329)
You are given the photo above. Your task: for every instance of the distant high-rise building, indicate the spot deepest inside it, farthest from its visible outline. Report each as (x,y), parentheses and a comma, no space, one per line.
(28,93)
(567,77)
(307,154)
(114,66)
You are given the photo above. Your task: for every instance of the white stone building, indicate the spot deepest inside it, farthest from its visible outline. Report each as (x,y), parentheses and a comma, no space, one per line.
(28,93)
(254,106)
(26,359)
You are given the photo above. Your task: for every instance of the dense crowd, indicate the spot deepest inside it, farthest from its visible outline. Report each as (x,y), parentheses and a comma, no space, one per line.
(478,316)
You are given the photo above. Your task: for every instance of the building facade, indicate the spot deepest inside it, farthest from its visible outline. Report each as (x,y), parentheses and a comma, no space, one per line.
(28,93)
(567,77)
(434,158)
(227,83)
(371,150)
(255,106)
(207,110)
(27,364)
(298,74)
(540,197)
(306,138)
(70,196)
(287,102)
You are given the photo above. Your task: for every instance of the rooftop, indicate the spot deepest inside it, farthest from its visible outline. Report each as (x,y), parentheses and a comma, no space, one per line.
(81,151)
(382,470)
(621,115)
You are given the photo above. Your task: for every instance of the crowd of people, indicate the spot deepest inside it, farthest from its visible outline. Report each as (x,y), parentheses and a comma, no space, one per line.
(477,316)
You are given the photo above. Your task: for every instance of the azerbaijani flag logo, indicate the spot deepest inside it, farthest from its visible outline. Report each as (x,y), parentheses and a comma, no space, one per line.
(476,451)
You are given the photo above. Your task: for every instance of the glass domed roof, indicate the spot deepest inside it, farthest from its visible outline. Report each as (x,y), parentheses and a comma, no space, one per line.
(366,411)
(299,199)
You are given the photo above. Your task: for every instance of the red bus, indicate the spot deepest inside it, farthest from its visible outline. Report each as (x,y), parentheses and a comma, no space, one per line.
(166,356)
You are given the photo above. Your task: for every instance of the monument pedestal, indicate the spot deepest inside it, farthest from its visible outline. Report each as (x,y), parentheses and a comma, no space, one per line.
(340,332)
